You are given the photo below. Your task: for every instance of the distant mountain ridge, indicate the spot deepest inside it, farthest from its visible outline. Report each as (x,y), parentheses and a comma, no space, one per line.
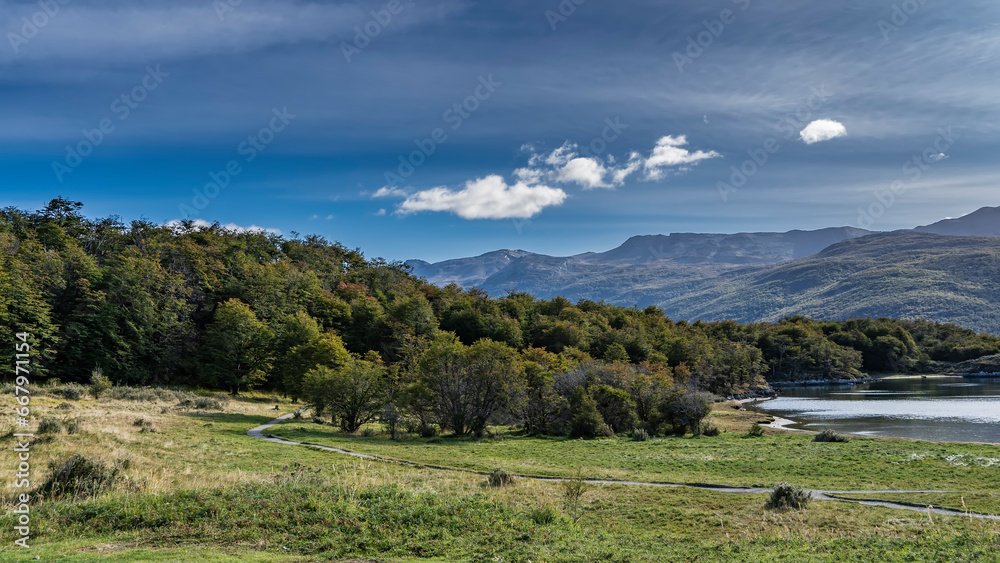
(940,272)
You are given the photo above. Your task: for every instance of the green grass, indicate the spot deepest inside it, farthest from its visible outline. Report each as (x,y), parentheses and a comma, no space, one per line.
(728,459)
(982,502)
(215,494)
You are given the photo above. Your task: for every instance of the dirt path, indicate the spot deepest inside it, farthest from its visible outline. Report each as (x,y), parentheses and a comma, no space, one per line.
(258,433)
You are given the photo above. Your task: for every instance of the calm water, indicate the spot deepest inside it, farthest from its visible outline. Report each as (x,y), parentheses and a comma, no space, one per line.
(936,408)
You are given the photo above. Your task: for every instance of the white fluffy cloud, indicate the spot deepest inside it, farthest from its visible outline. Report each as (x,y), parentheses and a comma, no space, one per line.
(822,130)
(486,198)
(198,224)
(493,198)
(669,153)
(566,165)
(388,191)
(588,172)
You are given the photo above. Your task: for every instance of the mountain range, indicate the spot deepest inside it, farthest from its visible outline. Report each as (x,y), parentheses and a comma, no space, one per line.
(948,271)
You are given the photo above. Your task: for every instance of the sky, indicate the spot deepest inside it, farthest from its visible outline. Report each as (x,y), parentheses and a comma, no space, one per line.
(446,128)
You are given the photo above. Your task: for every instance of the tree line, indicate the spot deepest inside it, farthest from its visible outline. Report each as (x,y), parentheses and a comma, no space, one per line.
(362,339)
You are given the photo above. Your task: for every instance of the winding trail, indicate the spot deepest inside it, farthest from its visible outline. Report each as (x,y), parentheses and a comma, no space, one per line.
(827,495)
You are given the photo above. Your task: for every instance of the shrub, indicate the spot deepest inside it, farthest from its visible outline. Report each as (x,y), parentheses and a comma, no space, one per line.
(616,407)
(543,515)
(65,406)
(49,426)
(141,394)
(319,420)
(435,440)
(297,414)
(428,430)
(586,421)
(640,435)
(368,433)
(756,431)
(99,383)
(573,491)
(831,436)
(684,409)
(208,403)
(785,496)
(73,391)
(500,478)
(83,477)
(710,430)
(72,425)
(144,425)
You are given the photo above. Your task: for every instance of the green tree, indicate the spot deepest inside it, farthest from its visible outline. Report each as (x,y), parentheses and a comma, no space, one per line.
(236,354)
(586,421)
(324,350)
(471,386)
(353,393)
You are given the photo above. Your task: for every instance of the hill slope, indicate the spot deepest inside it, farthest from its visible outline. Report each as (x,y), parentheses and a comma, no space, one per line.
(904,275)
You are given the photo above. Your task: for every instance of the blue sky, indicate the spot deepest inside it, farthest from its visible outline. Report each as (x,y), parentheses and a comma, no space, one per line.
(310,117)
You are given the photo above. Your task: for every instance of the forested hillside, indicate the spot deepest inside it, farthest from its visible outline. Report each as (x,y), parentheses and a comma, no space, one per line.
(147,304)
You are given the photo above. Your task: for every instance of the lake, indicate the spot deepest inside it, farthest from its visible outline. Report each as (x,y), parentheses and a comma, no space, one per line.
(953,409)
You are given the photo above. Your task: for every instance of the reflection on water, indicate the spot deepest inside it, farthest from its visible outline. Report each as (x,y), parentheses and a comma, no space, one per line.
(933,408)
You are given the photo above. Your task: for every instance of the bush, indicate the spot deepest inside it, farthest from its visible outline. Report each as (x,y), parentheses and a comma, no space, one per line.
(785,496)
(710,430)
(368,433)
(640,435)
(146,394)
(208,403)
(684,409)
(543,515)
(73,391)
(427,430)
(756,431)
(573,491)
(82,477)
(99,383)
(500,478)
(586,421)
(297,415)
(319,420)
(72,425)
(144,425)
(435,440)
(49,426)
(831,436)
(65,406)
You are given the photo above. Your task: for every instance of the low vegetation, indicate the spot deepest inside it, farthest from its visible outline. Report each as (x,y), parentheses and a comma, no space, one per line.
(786,496)
(831,436)
(187,487)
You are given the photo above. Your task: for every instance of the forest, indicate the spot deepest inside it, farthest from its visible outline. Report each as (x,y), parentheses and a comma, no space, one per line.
(361,339)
